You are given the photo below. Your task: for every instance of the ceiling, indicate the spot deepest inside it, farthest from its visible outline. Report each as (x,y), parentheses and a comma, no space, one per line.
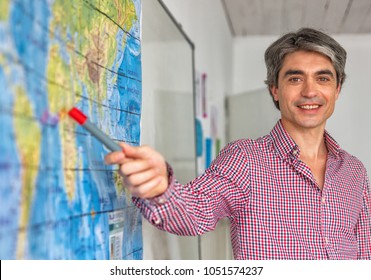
(275,17)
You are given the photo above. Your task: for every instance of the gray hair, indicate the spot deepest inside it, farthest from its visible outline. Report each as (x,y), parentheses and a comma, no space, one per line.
(306,39)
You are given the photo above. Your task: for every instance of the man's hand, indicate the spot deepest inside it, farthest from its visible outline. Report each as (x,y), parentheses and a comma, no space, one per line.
(144,170)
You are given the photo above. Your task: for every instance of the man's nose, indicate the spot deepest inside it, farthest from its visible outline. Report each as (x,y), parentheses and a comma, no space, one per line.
(309,88)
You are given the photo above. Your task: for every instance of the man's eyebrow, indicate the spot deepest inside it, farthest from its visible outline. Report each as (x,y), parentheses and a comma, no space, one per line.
(291,72)
(325,72)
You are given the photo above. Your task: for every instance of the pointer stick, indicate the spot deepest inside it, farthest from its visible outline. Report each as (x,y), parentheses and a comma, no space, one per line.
(78,116)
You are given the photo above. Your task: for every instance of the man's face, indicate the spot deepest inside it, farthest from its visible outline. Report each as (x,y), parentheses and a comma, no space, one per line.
(306,91)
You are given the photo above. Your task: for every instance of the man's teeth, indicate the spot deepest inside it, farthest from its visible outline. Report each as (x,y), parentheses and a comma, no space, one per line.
(309,107)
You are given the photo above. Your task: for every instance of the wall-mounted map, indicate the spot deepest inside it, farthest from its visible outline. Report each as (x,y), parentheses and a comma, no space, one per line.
(58,200)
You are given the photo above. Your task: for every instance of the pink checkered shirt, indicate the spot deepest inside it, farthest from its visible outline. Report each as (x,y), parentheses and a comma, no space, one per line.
(276,209)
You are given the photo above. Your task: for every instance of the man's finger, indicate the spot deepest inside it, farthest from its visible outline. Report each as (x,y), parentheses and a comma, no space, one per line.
(128,153)
(136,152)
(117,157)
(141,177)
(148,189)
(134,166)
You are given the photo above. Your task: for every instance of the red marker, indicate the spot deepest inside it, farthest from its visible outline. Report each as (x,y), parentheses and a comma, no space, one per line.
(78,116)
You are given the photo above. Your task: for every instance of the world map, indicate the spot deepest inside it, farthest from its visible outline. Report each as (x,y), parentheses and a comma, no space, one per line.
(58,200)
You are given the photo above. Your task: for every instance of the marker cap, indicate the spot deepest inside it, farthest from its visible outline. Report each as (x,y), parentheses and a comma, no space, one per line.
(77,115)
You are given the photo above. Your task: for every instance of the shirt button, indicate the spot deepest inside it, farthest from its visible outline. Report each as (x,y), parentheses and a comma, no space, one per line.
(326,240)
(156,221)
(323,200)
(161,200)
(295,152)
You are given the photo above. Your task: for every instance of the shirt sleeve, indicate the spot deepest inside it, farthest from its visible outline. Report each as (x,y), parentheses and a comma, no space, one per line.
(363,227)
(195,208)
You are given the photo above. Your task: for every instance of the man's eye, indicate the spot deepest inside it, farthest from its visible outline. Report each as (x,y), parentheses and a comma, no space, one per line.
(294,79)
(324,79)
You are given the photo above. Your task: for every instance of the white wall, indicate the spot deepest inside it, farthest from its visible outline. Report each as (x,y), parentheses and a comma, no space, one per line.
(248,63)
(204,23)
(168,126)
(351,123)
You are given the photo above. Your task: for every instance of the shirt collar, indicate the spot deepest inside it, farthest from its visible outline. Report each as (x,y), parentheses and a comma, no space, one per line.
(286,146)
(332,146)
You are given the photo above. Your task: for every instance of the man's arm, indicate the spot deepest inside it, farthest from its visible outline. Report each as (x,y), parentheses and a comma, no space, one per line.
(190,209)
(363,228)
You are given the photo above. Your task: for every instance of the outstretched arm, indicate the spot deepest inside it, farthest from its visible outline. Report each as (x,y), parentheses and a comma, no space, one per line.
(190,209)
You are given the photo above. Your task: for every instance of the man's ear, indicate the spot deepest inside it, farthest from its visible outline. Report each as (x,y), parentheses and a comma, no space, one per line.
(338,91)
(274,91)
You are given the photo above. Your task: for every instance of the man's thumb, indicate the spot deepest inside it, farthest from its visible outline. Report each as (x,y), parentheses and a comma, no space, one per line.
(132,151)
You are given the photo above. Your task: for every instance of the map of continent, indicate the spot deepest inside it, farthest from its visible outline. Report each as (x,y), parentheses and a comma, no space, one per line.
(58,199)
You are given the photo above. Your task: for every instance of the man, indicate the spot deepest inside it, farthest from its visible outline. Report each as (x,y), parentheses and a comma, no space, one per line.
(292,194)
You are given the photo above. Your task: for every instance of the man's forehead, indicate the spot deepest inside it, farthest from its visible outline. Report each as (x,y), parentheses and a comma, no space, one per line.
(305,60)
(300,54)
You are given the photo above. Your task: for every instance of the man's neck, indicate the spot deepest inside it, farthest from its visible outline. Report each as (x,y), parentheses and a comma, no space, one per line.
(311,142)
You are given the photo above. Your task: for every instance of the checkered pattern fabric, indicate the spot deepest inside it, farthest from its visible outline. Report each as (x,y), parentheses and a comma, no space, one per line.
(275,207)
